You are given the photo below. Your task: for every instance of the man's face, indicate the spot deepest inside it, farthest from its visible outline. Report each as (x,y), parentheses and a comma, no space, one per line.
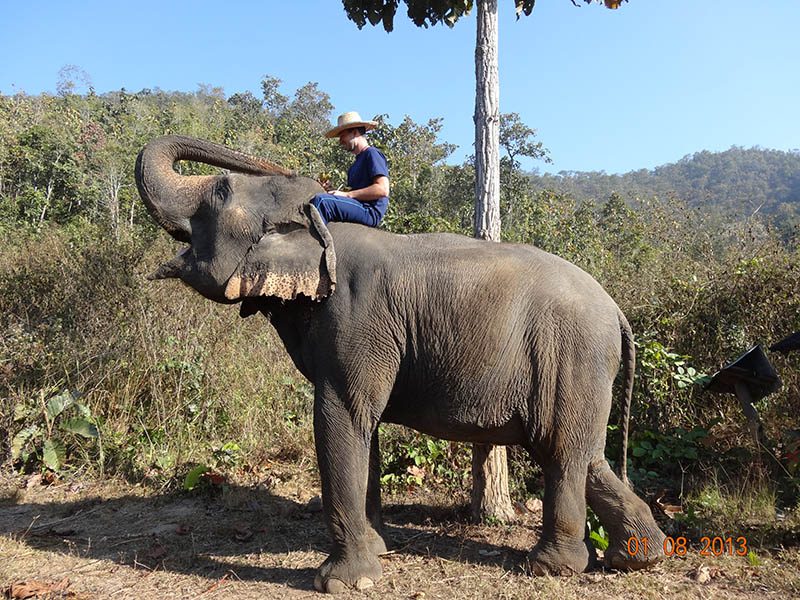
(347,139)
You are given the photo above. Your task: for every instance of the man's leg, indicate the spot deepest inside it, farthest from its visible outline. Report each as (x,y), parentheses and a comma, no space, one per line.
(337,208)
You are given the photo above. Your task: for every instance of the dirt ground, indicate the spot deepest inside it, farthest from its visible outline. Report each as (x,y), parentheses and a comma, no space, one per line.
(113,540)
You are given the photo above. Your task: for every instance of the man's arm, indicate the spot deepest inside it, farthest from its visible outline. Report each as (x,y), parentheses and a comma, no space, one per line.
(378,189)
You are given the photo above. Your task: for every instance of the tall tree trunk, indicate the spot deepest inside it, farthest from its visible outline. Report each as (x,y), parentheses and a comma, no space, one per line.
(489,467)
(487,125)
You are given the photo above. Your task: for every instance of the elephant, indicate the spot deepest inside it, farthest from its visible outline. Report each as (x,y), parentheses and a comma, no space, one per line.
(459,338)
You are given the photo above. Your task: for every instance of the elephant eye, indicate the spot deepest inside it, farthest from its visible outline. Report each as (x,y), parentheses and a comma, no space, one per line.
(220,192)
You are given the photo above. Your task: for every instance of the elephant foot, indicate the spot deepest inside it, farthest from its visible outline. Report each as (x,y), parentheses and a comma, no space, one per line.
(377,542)
(634,553)
(341,573)
(561,558)
(636,542)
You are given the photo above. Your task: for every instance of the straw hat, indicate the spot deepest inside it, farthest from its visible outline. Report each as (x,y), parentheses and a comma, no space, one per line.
(349,120)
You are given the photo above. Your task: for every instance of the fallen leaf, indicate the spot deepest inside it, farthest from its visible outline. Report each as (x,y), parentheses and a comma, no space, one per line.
(416,471)
(703,574)
(35,589)
(242,531)
(534,505)
(215,478)
(668,509)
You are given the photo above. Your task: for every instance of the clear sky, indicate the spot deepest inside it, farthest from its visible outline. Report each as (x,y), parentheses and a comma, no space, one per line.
(606,90)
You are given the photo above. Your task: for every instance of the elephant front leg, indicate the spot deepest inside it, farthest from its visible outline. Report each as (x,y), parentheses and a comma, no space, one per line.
(343,454)
(376,536)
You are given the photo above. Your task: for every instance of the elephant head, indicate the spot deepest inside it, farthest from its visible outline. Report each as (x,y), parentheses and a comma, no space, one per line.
(252,232)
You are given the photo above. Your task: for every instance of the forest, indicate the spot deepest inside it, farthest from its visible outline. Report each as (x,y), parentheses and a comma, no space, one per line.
(103,373)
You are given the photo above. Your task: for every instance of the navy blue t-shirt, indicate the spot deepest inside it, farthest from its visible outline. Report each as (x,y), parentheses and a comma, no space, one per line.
(369,163)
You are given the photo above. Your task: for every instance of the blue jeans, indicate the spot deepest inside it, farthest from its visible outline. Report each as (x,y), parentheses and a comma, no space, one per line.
(338,208)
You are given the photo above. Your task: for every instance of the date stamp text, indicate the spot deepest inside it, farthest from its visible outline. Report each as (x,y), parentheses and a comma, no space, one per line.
(679,546)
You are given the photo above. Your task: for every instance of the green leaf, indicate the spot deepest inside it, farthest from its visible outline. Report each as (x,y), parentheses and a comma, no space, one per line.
(20,440)
(54,454)
(639,451)
(83,410)
(193,477)
(58,404)
(599,541)
(20,412)
(81,427)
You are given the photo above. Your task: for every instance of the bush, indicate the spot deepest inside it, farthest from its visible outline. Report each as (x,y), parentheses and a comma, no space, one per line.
(170,375)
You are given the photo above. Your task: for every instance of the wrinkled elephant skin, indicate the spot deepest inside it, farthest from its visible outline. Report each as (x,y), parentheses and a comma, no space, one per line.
(455,337)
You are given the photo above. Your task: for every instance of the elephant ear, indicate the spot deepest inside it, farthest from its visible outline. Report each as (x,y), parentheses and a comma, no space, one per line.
(286,263)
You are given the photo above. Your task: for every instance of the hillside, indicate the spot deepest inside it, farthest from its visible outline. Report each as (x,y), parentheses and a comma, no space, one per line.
(738,182)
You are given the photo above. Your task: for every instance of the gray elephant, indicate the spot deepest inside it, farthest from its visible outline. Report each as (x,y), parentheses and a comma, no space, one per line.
(458,338)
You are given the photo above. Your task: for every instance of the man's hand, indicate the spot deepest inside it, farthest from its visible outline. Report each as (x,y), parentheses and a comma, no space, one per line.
(325,181)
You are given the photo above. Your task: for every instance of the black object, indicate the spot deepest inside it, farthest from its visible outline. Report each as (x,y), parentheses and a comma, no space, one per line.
(750,377)
(752,369)
(787,344)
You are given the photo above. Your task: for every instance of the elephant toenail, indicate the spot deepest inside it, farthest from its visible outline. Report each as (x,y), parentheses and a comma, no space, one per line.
(336,586)
(364,583)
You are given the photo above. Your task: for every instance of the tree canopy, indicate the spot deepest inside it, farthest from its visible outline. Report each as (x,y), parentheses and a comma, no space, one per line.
(430,12)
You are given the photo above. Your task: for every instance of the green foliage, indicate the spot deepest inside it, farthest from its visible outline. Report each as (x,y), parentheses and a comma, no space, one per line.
(193,477)
(661,458)
(51,431)
(409,458)
(667,385)
(597,533)
(226,457)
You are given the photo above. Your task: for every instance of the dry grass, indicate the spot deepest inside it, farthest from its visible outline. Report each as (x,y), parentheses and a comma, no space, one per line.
(258,538)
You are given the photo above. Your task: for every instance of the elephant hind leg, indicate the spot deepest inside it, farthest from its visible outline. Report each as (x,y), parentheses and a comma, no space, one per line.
(625,516)
(563,547)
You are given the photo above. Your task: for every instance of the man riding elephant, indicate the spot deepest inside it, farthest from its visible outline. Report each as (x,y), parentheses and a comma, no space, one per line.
(368,178)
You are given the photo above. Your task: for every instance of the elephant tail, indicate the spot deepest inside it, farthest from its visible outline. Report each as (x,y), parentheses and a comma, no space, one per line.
(628,373)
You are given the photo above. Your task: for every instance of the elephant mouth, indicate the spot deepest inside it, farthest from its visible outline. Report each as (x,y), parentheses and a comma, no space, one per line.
(173,268)
(198,275)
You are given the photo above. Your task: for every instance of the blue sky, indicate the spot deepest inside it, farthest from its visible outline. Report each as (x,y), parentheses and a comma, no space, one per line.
(606,90)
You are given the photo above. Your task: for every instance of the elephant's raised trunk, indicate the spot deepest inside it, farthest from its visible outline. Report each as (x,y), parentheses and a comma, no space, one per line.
(172,199)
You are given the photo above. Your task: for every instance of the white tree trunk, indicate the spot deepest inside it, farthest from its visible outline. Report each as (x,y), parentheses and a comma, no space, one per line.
(487,125)
(48,195)
(489,467)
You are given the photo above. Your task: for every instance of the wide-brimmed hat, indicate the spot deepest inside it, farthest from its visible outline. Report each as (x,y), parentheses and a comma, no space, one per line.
(349,120)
